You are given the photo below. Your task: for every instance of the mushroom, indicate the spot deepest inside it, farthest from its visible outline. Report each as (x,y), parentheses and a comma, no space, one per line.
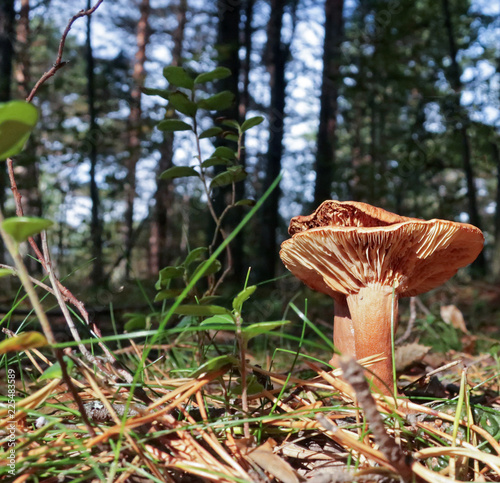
(365,258)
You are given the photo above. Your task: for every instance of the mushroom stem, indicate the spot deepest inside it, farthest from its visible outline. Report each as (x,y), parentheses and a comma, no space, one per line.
(370,311)
(343,329)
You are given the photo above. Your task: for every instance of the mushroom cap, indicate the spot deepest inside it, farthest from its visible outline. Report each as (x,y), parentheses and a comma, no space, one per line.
(345,213)
(362,245)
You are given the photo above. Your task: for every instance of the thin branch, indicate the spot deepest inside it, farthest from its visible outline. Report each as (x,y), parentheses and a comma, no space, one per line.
(354,374)
(62,303)
(58,64)
(33,279)
(67,295)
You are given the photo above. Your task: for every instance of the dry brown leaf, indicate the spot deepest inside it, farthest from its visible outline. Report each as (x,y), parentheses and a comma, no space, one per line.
(407,354)
(272,463)
(452,315)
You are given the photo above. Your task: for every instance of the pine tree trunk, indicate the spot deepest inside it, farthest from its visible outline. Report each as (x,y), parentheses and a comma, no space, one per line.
(7,18)
(138,76)
(228,47)
(496,246)
(26,164)
(327,137)
(161,240)
(456,83)
(92,139)
(277,53)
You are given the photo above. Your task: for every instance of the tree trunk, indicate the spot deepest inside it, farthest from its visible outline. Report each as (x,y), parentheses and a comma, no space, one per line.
(7,18)
(138,76)
(161,241)
(228,47)
(25,166)
(277,53)
(456,84)
(326,143)
(93,136)
(496,246)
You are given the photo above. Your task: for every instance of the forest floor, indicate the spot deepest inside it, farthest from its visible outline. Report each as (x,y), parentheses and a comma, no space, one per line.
(189,417)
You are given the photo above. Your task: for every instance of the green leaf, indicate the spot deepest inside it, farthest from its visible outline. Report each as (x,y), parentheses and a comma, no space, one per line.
(226,319)
(183,104)
(5,272)
(217,102)
(149,91)
(194,255)
(207,270)
(178,77)
(213,131)
(231,123)
(179,172)
(55,372)
(216,74)
(242,297)
(215,161)
(245,203)
(168,293)
(22,227)
(261,328)
(17,120)
(224,152)
(251,122)
(231,136)
(174,125)
(200,310)
(214,365)
(167,274)
(23,342)
(253,386)
(228,177)
(135,322)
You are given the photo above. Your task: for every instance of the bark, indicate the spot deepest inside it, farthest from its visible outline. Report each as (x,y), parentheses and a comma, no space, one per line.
(161,241)
(277,53)
(228,47)
(327,138)
(134,120)
(496,246)
(93,136)
(456,84)
(7,17)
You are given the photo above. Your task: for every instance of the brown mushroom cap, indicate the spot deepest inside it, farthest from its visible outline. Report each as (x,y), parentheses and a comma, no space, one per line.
(364,245)
(345,213)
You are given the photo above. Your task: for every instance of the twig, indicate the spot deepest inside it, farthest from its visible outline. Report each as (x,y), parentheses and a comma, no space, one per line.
(67,295)
(33,279)
(58,64)
(411,321)
(74,392)
(354,374)
(62,304)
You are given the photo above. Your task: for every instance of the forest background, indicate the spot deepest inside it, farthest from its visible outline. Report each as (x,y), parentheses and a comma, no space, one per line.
(394,103)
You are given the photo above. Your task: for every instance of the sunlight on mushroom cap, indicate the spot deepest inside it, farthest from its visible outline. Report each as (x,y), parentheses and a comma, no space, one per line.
(414,256)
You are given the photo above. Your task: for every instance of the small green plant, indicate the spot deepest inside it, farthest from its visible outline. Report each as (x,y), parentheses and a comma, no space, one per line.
(186,101)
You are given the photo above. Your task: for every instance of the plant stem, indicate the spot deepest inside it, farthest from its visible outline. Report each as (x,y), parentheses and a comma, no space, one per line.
(23,275)
(243,372)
